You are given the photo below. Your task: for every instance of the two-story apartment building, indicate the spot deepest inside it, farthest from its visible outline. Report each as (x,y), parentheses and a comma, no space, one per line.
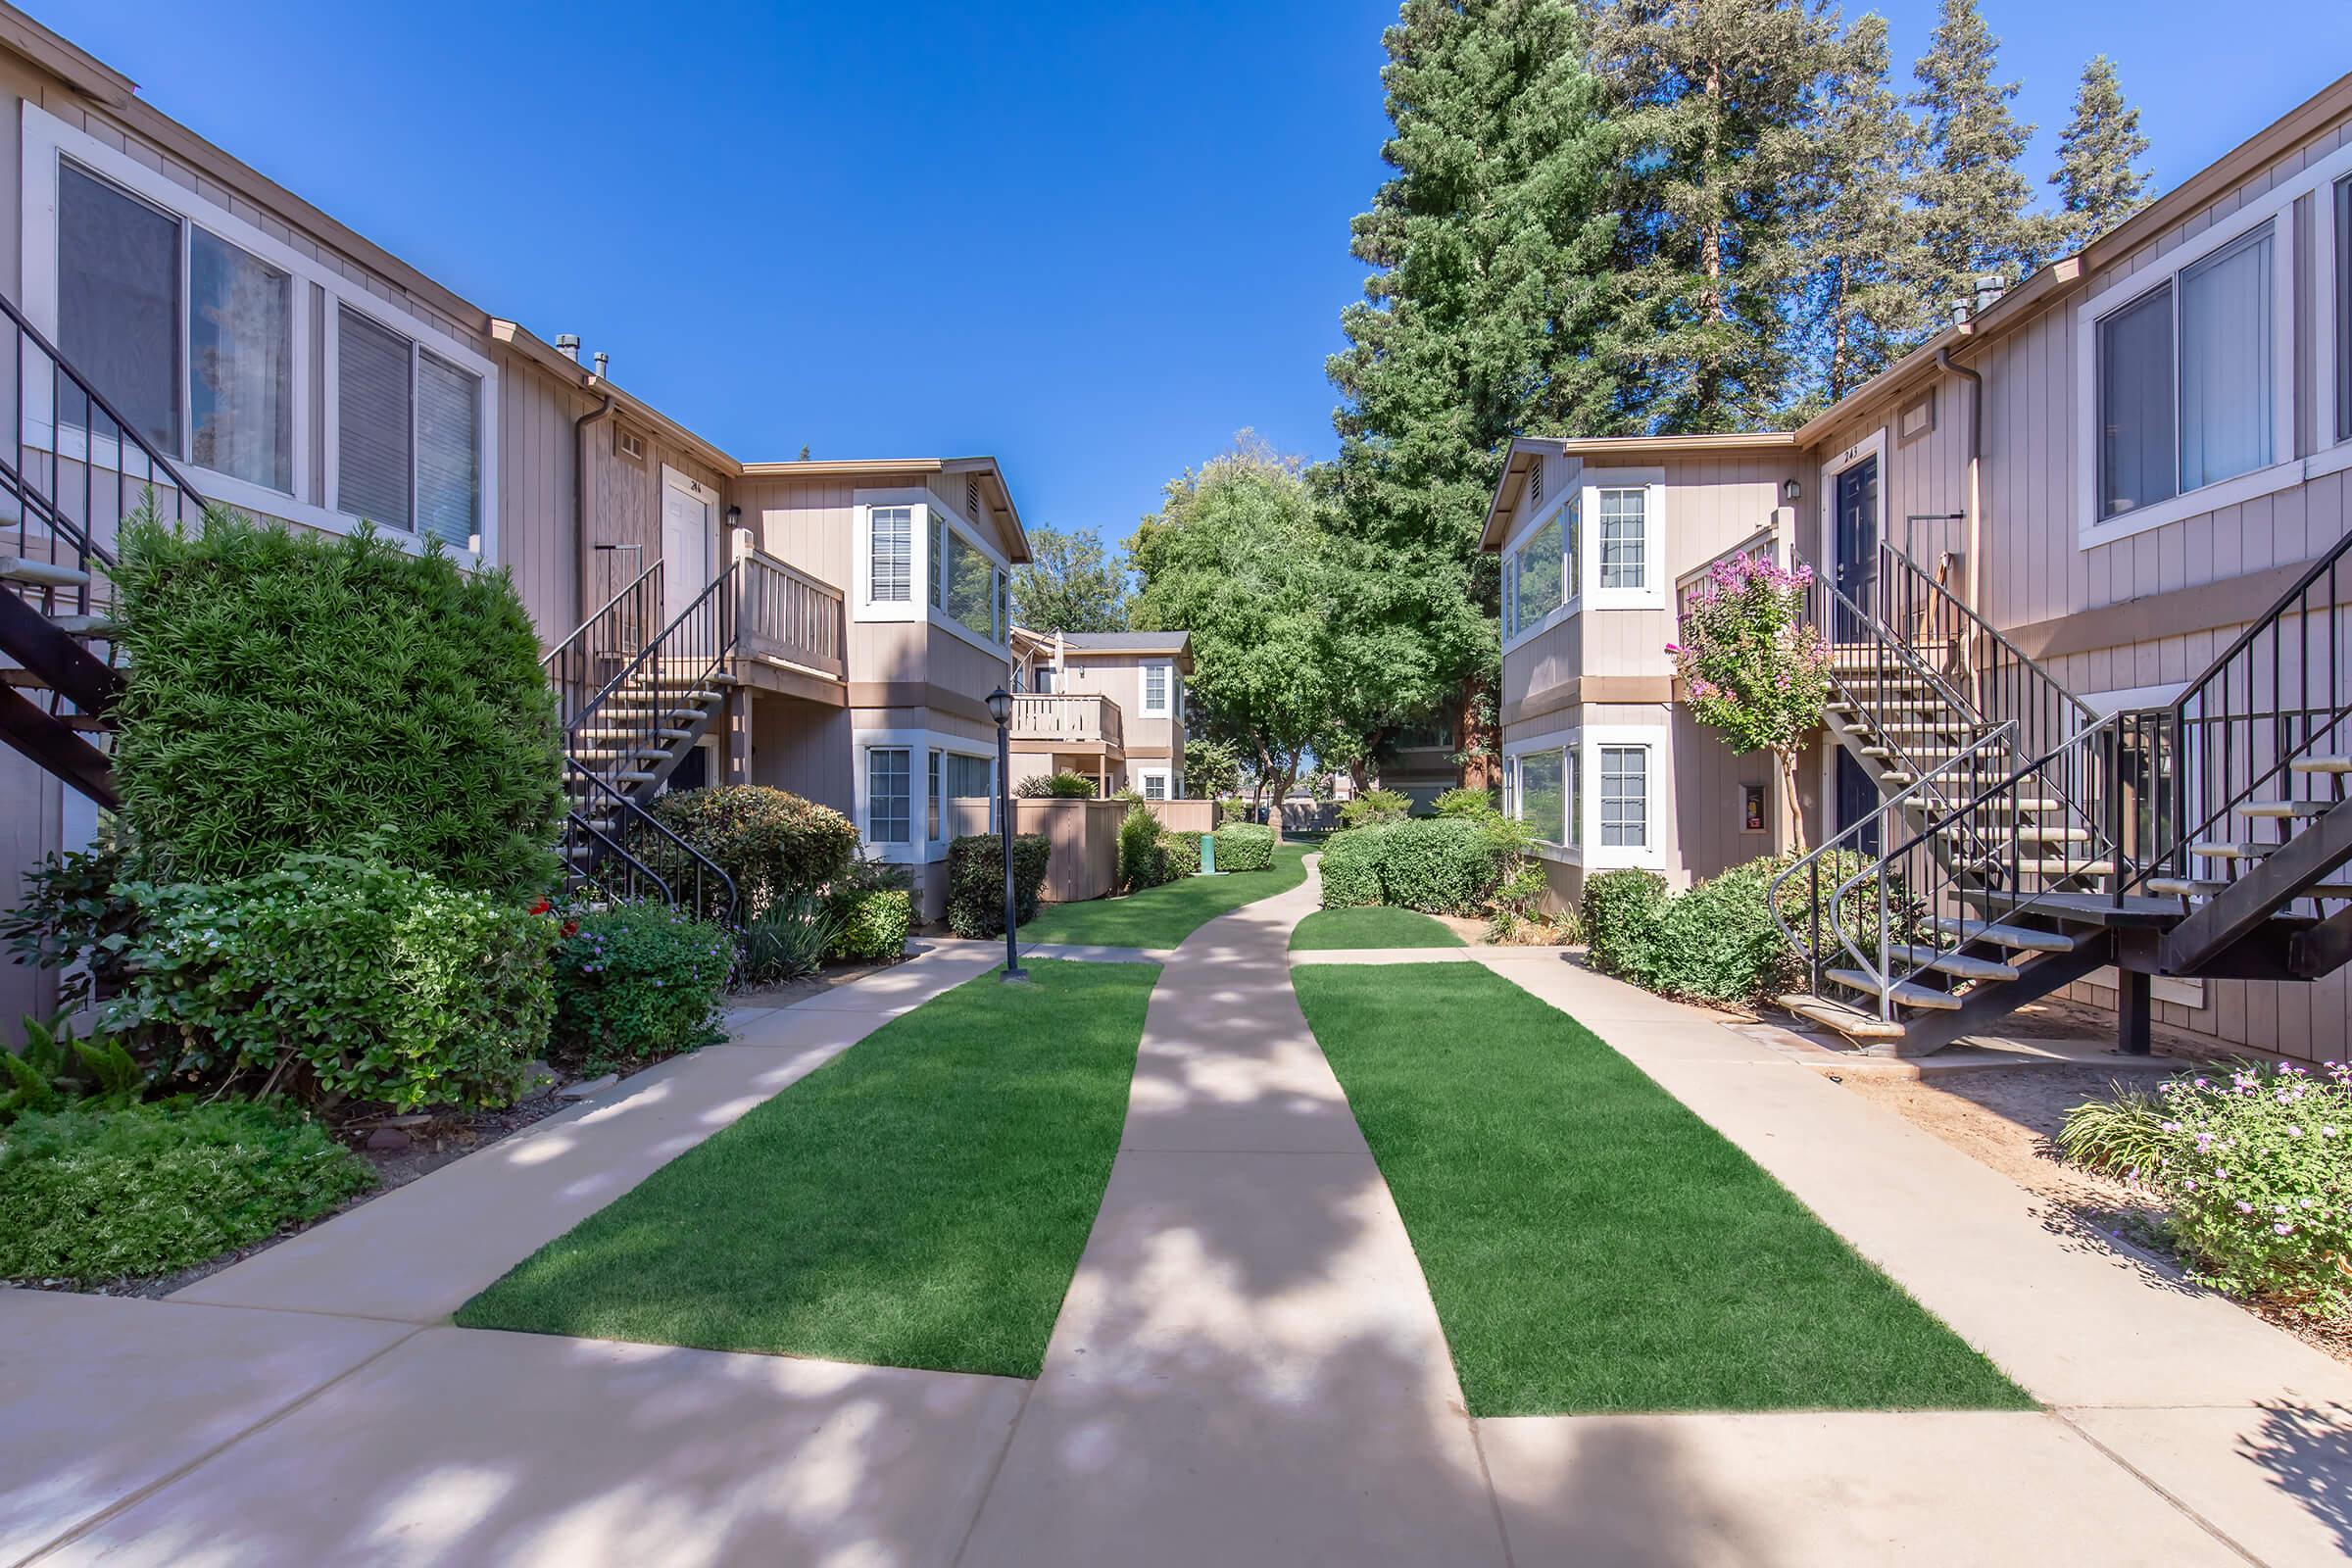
(1106,705)
(2098,485)
(278,362)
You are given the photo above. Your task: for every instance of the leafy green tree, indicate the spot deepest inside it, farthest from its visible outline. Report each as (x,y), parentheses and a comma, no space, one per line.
(1864,299)
(1758,671)
(1973,201)
(1718,102)
(1071,583)
(1490,243)
(2100,178)
(1212,768)
(1238,556)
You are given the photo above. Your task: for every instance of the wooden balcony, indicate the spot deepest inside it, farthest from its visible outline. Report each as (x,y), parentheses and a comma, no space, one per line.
(790,626)
(1042,721)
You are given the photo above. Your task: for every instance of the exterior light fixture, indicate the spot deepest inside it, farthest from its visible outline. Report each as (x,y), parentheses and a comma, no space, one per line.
(1000,708)
(1791,491)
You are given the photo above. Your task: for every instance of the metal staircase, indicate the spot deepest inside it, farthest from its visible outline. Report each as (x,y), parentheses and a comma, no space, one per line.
(2023,843)
(79,469)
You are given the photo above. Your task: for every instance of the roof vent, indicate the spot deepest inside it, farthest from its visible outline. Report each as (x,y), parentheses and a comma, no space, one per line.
(971,496)
(568,344)
(604,366)
(1990,286)
(1535,484)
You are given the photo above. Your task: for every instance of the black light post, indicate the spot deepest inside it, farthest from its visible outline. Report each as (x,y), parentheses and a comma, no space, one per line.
(1000,708)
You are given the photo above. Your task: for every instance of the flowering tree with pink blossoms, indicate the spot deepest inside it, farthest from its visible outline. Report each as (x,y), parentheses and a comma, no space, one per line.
(1757,671)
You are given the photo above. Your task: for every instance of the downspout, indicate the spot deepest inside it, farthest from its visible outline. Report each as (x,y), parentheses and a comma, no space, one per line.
(1971,503)
(579,498)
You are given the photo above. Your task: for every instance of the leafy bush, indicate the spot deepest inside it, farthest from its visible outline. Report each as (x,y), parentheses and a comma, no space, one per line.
(976,881)
(56,1072)
(339,977)
(639,981)
(789,939)
(1233,810)
(1620,914)
(2258,1176)
(1142,862)
(1349,871)
(1245,846)
(1063,786)
(1180,855)
(772,843)
(1374,806)
(1477,804)
(2123,1137)
(73,921)
(292,692)
(871,925)
(100,1195)
(1718,942)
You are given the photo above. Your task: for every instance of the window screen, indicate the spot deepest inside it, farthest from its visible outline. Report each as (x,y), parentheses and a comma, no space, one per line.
(240,364)
(448,475)
(118,306)
(1625,795)
(2135,403)
(375,423)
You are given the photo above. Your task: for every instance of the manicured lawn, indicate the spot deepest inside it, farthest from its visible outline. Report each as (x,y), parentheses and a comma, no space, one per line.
(920,1201)
(1591,1244)
(1164,916)
(1374,927)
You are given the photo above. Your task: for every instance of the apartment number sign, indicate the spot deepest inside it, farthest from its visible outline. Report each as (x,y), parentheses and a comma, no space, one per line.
(1751,807)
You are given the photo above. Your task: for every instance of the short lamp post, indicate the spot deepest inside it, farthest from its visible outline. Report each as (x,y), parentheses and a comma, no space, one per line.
(1000,708)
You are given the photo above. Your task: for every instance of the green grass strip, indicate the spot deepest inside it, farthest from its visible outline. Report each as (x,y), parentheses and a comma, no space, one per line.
(1164,916)
(1375,927)
(1592,1245)
(919,1200)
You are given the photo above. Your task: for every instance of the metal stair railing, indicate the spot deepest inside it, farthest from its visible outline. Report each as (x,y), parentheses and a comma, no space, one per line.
(608,865)
(2001,682)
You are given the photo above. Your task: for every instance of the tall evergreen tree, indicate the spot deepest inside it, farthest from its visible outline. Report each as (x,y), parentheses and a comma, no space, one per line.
(1718,102)
(1490,244)
(1863,301)
(1971,199)
(2100,179)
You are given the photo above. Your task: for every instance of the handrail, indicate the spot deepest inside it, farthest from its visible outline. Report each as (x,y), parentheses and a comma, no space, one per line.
(1917,579)
(1770,531)
(713,896)
(585,626)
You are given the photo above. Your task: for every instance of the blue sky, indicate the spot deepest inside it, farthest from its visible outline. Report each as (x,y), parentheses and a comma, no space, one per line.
(1093,239)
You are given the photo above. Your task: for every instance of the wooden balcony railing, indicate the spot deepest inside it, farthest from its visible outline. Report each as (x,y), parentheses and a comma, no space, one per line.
(1083,718)
(786,614)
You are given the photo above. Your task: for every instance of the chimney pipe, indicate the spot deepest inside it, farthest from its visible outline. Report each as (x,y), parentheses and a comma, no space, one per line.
(603,363)
(568,344)
(1990,286)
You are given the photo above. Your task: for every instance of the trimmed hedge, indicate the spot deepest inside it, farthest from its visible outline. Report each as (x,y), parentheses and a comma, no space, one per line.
(293,692)
(1180,855)
(873,925)
(342,977)
(1063,786)
(976,881)
(1620,914)
(637,981)
(1245,846)
(1718,940)
(772,843)
(1438,866)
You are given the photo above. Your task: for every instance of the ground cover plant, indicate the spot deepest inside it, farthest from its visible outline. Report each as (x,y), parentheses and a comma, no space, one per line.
(921,1201)
(290,690)
(1591,1244)
(1163,916)
(93,1197)
(2253,1163)
(1374,927)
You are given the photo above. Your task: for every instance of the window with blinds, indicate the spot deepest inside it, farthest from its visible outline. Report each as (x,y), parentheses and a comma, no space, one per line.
(376,425)
(890,572)
(448,451)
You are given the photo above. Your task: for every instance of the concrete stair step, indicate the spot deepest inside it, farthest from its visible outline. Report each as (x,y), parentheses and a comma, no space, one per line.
(2015,938)
(41,573)
(2235,852)
(2289,811)
(1851,1022)
(2338,763)
(2176,887)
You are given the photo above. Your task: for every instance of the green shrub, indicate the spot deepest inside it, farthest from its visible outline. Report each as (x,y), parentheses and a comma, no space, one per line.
(2258,1174)
(1477,804)
(976,881)
(1374,806)
(290,690)
(872,924)
(339,977)
(1180,855)
(1438,866)
(94,1196)
(1718,942)
(1142,862)
(1620,914)
(1245,846)
(639,981)
(772,843)
(1349,870)
(1063,786)
(75,922)
(56,1072)
(789,939)
(1233,810)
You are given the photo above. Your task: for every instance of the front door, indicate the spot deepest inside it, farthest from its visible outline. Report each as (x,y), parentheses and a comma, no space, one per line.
(687,543)
(1855,523)
(1857,800)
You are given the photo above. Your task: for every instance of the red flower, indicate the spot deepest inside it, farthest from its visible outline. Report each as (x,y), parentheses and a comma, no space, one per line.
(542,907)
(571,928)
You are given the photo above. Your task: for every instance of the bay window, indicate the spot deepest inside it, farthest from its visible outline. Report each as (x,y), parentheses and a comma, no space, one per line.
(1543,794)
(971,586)
(970,778)
(1538,573)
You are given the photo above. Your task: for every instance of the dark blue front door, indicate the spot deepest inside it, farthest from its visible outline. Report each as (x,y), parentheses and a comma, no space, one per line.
(1857,800)
(1855,518)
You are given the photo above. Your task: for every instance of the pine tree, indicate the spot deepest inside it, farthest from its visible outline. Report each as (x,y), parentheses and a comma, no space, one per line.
(1864,300)
(1490,243)
(1971,199)
(1718,102)
(2100,181)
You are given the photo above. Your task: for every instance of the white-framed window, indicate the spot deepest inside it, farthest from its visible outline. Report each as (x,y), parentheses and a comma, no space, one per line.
(2187,391)
(972,778)
(969,597)
(199,326)
(1156,783)
(938,794)
(1539,575)
(1627,508)
(1625,796)
(890,552)
(1159,690)
(917,560)
(1624,537)
(1542,781)
(1543,795)
(2336,295)
(888,795)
